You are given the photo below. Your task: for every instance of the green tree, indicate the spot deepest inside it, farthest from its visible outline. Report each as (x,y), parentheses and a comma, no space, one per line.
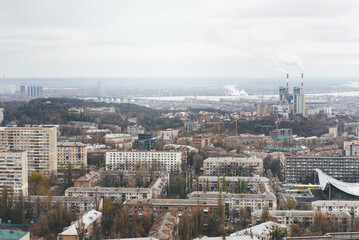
(291,204)
(265,217)
(243,186)
(182,188)
(224,183)
(207,188)
(277,233)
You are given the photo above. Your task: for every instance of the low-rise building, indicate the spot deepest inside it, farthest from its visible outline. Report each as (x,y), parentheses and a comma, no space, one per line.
(130,160)
(245,167)
(164,228)
(71,154)
(14,172)
(236,202)
(11,234)
(200,142)
(86,224)
(112,193)
(304,218)
(88,180)
(332,206)
(76,205)
(157,207)
(253,184)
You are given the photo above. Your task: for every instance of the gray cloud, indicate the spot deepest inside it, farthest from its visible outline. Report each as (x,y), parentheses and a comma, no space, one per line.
(158,38)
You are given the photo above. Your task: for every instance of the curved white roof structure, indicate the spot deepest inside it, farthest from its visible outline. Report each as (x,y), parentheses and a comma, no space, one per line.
(325,180)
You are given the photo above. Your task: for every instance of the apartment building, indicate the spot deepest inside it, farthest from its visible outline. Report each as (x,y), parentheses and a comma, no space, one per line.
(76,205)
(232,182)
(71,154)
(158,207)
(112,193)
(303,218)
(236,202)
(88,180)
(201,142)
(130,160)
(88,220)
(300,169)
(13,172)
(40,142)
(329,207)
(246,167)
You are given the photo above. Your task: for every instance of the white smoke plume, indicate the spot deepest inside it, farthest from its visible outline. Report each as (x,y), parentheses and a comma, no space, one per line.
(290,60)
(233,91)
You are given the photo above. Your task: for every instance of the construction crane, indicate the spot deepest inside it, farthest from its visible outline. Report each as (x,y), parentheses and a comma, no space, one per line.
(277,123)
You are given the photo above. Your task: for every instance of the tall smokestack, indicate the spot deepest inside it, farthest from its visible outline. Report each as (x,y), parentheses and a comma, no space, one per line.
(287,80)
(302,80)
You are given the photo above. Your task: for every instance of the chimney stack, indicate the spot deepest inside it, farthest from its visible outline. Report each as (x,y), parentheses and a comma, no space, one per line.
(302,79)
(287,80)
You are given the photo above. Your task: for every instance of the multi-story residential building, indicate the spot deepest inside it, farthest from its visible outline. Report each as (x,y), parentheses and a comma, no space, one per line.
(88,222)
(112,193)
(88,180)
(232,182)
(71,154)
(201,142)
(300,169)
(233,166)
(236,202)
(329,207)
(76,205)
(130,160)
(13,172)
(156,207)
(303,218)
(40,142)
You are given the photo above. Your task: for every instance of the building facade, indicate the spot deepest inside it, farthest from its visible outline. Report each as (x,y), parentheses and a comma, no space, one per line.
(40,142)
(112,193)
(330,206)
(88,220)
(300,169)
(13,172)
(158,207)
(71,154)
(236,202)
(245,167)
(303,218)
(130,160)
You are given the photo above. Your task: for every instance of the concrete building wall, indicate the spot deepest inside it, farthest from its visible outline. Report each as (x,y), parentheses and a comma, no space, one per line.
(14,172)
(40,142)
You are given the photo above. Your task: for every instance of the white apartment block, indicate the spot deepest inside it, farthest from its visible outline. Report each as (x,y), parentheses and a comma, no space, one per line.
(113,193)
(40,142)
(333,206)
(13,172)
(233,166)
(130,160)
(72,154)
(235,202)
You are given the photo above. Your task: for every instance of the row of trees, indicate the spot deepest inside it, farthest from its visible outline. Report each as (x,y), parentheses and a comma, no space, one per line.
(116,223)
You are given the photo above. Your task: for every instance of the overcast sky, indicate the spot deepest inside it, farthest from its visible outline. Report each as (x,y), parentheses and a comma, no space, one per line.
(194,38)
